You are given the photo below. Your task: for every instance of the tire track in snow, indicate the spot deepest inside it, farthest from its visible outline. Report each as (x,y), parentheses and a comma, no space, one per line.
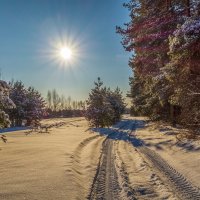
(181,185)
(178,183)
(146,184)
(127,192)
(106,183)
(109,178)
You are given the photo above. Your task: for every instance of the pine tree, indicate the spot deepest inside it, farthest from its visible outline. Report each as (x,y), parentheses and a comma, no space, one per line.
(147,35)
(151,35)
(116,101)
(185,64)
(35,106)
(5,103)
(29,104)
(18,94)
(104,106)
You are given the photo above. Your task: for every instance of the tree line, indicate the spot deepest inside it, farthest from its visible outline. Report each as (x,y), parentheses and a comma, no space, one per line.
(60,102)
(59,105)
(164,38)
(20,105)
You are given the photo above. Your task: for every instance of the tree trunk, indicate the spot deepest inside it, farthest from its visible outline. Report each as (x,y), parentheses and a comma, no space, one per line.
(188,8)
(172,117)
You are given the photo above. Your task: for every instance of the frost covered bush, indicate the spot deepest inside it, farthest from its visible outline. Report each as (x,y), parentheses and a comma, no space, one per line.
(104,107)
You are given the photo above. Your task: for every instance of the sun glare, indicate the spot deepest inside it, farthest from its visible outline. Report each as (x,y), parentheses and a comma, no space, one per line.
(65,53)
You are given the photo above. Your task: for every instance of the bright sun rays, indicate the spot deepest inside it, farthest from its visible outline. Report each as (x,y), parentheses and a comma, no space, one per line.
(63,51)
(64,54)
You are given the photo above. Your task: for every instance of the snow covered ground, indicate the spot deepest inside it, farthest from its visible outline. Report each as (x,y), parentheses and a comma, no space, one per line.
(182,155)
(131,160)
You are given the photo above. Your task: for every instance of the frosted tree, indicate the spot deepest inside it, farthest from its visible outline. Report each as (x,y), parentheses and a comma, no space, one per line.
(18,94)
(103,107)
(116,101)
(5,103)
(164,39)
(185,64)
(98,112)
(35,106)
(29,104)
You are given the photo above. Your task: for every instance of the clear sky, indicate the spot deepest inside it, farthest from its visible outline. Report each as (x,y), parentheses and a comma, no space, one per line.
(31,30)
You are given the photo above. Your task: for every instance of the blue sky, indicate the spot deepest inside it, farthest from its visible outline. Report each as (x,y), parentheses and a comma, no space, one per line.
(30,30)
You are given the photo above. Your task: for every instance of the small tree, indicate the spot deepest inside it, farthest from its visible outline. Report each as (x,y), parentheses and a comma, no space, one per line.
(104,107)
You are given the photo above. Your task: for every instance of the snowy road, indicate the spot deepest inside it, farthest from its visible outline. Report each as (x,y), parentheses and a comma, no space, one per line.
(152,176)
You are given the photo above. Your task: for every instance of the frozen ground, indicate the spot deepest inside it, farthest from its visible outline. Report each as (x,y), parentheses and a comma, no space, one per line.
(132,160)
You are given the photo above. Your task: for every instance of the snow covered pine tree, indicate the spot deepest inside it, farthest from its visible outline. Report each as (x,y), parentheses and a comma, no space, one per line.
(104,106)
(5,102)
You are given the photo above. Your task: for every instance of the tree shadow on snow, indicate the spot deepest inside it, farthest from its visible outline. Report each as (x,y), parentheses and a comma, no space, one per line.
(188,146)
(124,130)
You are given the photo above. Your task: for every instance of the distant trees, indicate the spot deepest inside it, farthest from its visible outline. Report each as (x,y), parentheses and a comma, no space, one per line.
(164,37)
(59,105)
(104,106)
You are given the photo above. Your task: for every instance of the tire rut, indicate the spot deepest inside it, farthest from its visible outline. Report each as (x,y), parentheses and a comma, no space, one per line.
(181,185)
(127,192)
(111,174)
(106,185)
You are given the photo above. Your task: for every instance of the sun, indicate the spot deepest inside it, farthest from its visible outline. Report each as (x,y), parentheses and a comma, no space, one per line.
(65,53)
